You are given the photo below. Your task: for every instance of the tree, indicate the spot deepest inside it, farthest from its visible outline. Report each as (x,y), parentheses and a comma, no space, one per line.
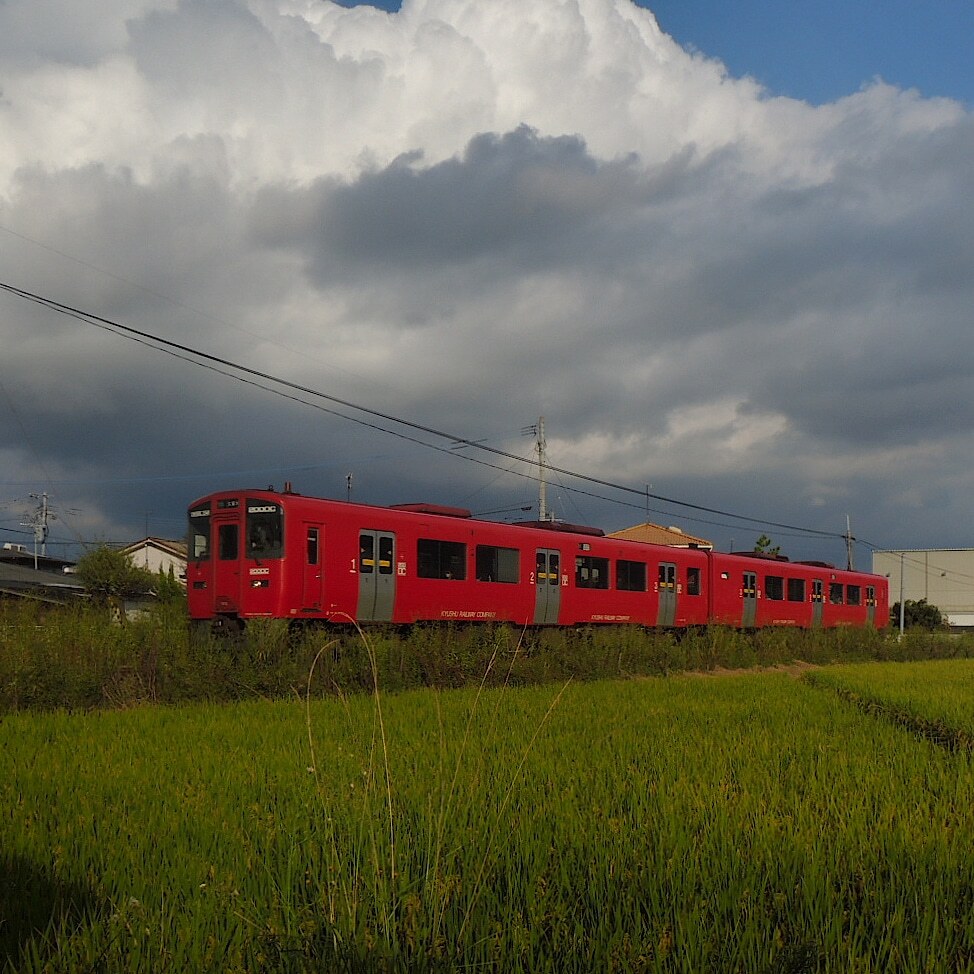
(167,588)
(108,575)
(763,546)
(917,615)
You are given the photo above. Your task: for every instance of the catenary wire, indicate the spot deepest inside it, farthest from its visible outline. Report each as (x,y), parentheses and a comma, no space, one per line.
(258,379)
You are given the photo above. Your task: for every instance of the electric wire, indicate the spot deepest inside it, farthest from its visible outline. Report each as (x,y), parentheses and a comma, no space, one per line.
(300,393)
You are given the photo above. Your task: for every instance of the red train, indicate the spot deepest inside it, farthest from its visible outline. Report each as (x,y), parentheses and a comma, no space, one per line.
(278,554)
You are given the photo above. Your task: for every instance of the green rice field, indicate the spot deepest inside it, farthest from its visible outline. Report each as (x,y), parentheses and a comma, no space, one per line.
(754,822)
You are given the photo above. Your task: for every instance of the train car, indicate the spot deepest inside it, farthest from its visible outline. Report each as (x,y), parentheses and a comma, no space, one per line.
(750,590)
(279,554)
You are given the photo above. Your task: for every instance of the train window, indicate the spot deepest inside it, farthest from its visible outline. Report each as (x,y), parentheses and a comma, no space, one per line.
(796,589)
(227,540)
(835,593)
(591,572)
(853,595)
(774,587)
(497,564)
(631,576)
(366,554)
(385,555)
(546,570)
(870,595)
(265,535)
(199,533)
(693,581)
(312,546)
(441,559)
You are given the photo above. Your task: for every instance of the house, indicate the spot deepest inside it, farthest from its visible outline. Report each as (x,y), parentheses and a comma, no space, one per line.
(159,555)
(649,533)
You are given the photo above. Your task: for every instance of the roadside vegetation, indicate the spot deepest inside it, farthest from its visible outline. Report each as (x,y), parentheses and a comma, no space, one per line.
(78,658)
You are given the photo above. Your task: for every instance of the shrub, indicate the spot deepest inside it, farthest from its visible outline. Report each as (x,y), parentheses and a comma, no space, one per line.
(108,574)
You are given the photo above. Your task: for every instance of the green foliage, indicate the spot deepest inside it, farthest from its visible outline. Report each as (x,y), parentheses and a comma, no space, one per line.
(918,614)
(764,546)
(106,573)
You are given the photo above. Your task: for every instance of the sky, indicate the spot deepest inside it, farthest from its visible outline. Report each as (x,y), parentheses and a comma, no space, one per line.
(725,251)
(820,51)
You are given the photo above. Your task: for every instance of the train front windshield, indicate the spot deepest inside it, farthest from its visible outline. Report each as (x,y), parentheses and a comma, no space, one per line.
(265,529)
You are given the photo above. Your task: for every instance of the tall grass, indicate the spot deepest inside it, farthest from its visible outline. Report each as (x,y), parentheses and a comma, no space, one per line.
(75,658)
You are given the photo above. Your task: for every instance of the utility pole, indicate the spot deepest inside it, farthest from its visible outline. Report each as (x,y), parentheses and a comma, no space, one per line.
(38,522)
(541,446)
(902,602)
(848,544)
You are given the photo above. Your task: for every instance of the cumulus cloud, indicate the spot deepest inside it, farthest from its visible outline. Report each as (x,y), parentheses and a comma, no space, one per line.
(469,215)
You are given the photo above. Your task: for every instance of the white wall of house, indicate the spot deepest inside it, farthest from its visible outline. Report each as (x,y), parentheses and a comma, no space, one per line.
(154,557)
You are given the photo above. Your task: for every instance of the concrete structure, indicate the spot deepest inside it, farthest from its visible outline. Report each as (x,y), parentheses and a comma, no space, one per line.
(159,554)
(944,577)
(649,533)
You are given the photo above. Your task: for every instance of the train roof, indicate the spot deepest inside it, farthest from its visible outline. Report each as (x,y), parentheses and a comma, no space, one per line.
(562,526)
(443,510)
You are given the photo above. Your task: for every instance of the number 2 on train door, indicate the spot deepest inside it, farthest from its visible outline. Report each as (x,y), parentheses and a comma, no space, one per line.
(547,585)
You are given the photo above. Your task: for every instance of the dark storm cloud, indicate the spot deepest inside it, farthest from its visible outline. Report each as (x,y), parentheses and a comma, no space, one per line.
(514,198)
(814,291)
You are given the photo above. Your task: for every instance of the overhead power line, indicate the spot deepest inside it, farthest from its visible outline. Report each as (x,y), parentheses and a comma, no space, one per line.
(268,382)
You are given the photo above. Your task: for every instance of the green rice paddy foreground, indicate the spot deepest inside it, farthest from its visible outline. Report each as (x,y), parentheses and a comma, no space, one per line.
(742,823)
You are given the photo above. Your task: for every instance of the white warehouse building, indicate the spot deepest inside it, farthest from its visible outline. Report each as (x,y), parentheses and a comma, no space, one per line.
(944,577)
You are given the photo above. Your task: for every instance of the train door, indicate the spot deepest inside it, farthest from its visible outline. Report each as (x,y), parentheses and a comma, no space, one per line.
(666,584)
(313,566)
(377,576)
(227,532)
(871,604)
(749,595)
(818,601)
(547,585)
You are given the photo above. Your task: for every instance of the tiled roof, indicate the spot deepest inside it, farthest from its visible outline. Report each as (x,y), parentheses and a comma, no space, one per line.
(165,544)
(656,534)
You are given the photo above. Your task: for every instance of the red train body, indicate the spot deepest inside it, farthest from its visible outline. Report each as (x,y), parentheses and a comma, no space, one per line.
(269,554)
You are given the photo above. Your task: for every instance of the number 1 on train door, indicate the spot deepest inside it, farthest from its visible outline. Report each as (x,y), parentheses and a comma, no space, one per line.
(377,576)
